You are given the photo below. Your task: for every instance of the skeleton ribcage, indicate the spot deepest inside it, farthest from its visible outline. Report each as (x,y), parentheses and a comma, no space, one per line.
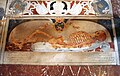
(80,37)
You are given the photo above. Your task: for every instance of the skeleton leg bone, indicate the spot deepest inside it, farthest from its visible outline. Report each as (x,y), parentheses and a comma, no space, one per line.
(15,42)
(28,39)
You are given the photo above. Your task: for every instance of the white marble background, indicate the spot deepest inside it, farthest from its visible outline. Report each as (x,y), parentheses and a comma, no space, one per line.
(2,3)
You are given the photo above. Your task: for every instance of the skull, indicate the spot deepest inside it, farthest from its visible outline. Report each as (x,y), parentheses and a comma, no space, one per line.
(58,8)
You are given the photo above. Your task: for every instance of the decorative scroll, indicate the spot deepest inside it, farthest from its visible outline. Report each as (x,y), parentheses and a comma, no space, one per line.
(81,7)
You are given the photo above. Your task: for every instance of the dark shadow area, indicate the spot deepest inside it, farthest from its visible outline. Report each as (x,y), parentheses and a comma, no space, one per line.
(117,27)
(1,13)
